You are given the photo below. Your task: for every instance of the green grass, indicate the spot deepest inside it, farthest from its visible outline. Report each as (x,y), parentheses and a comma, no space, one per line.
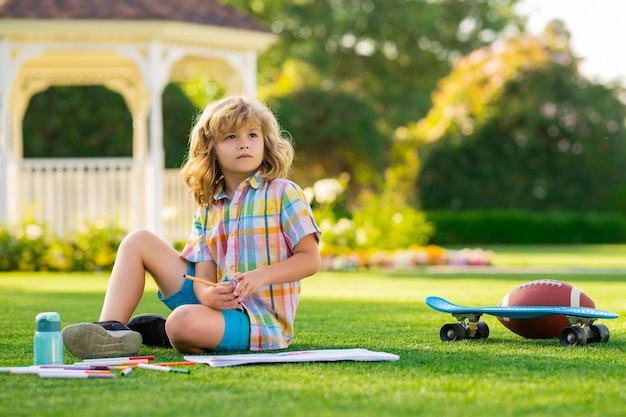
(505,375)
(599,256)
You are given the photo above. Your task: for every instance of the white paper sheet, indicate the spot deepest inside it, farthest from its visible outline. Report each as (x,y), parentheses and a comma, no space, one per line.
(324,355)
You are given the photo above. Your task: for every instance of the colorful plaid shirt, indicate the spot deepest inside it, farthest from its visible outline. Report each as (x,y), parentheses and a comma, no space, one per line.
(259,226)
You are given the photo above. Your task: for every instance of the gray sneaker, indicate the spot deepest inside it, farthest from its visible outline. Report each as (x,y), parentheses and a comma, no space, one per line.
(101,340)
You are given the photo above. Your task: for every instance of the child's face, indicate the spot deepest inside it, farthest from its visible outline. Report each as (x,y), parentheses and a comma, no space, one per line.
(240,152)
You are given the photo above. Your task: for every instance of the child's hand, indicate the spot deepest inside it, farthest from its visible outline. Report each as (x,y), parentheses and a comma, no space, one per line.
(246,285)
(220,297)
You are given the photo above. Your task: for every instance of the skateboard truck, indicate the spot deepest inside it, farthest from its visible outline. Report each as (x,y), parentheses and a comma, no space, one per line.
(582,331)
(469,327)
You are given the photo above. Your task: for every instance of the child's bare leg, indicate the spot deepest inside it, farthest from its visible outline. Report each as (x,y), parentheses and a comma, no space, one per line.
(141,251)
(194,328)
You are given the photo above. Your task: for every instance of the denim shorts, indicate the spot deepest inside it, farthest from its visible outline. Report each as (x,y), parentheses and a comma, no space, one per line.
(237,330)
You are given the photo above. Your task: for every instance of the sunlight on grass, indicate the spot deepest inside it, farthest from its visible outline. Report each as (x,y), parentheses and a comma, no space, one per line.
(50,282)
(600,256)
(504,375)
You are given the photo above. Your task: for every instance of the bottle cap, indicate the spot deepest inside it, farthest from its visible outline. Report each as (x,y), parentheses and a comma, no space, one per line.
(48,322)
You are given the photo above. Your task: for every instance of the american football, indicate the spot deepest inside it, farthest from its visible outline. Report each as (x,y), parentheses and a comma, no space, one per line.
(542,293)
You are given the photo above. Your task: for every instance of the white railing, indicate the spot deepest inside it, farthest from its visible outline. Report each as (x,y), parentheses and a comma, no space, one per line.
(178,207)
(65,194)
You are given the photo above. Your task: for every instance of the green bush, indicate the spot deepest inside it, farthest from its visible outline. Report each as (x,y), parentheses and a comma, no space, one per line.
(382,225)
(464,227)
(95,247)
(23,248)
(376,223)
(31,247)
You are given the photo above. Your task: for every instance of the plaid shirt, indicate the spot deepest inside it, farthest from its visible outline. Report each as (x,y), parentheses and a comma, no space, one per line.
(259,226)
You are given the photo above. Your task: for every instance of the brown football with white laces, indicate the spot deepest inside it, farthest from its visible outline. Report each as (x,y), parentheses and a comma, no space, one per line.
(545,292)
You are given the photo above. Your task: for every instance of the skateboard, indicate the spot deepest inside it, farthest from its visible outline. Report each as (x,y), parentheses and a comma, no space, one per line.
(581,331)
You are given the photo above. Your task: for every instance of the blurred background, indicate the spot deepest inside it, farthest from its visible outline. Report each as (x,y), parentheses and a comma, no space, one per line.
(417,124)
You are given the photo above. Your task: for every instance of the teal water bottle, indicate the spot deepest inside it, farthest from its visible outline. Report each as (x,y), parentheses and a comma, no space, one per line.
(48,339)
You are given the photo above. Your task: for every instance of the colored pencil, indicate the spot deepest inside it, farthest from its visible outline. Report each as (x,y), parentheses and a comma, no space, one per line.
(77,367)
(114,363)
(124,358)
(175,363)
(81,375)
(25,370)
(162,368)
(204,281)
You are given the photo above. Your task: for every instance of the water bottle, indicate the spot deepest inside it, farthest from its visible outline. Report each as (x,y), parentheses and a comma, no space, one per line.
(48,339)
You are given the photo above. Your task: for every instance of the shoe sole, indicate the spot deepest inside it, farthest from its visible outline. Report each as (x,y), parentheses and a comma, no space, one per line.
(89,340)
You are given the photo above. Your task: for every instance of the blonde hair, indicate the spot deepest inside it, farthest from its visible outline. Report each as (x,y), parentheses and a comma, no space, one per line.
(201,172)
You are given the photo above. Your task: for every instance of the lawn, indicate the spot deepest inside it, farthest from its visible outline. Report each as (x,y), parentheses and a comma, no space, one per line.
(504,375)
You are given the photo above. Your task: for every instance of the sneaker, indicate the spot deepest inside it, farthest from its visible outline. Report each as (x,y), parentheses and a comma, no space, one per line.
(152,329)
(101,339)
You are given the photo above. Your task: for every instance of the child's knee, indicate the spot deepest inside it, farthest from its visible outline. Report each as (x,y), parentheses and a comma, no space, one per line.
(138,236)
(190,328)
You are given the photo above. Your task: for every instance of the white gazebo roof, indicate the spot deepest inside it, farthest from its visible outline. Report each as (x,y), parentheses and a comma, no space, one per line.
(132,47)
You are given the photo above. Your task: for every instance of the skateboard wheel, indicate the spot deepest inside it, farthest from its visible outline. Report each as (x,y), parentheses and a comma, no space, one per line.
(600,333)
(573,336)
(452,332)
(482,332)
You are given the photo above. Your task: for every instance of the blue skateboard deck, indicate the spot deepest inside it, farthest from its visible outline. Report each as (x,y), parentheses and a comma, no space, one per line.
(519,312)
(580,332)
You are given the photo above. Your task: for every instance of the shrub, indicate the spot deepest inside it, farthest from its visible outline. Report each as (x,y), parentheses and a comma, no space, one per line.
(23,248)
(31,247)
(376,223)
(463,227)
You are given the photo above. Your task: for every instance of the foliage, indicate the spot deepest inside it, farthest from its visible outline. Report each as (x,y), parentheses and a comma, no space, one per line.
(375,224)
(383,225)
(465,227)
(464,99)
(80,121)
(519,127)
(92,121)
(201,91)
(95,247)
(386,54)
(31,247)
(335,134)
(392,52)
(179,115)
(23,249)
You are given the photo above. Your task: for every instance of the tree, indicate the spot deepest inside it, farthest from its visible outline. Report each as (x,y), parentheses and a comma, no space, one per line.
(519,127)
(386,54)
(391,52)
(335,134)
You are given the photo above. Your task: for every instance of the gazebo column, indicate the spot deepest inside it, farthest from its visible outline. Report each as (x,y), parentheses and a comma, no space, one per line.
(22,92)
(156,157)
(6,75)
(157,72)
(137,100)
(155,66)
(9,127)
(245,64)
(139,203)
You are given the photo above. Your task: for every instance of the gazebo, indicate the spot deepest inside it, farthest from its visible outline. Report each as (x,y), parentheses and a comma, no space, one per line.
(134,48)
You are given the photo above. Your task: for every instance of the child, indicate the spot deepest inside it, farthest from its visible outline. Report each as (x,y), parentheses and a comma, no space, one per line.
(253,234)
